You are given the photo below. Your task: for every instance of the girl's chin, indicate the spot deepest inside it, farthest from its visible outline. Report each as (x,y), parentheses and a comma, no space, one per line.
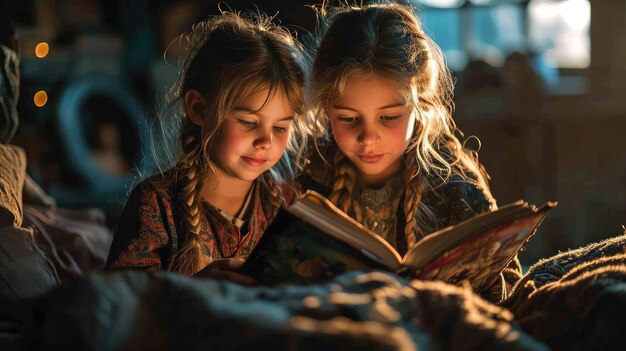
(370,173)
(371,169)
(250,178)
(375,175)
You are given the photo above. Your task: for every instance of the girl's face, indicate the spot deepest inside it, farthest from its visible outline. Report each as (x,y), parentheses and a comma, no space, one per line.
(253,136)
(372,126)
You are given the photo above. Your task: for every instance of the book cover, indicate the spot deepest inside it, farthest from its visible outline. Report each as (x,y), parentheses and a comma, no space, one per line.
(294,251)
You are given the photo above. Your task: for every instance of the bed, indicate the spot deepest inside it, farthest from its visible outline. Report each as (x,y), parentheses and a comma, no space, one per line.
(54,296)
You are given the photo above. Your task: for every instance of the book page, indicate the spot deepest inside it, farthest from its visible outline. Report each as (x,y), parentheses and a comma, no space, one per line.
(479,260)
(434,244)
(316,210)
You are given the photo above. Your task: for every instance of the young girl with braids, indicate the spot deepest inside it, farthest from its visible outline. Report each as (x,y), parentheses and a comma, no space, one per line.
(381,102)
(238,92)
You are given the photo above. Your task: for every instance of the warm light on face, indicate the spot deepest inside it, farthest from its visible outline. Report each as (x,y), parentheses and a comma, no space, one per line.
(253,136)
(372,125)
(41,50)
(41,98)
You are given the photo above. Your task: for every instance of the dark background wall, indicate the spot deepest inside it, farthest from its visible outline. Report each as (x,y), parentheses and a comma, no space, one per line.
(111,61)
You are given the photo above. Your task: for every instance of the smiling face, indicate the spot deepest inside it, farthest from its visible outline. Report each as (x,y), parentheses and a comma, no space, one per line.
(253,136)
(372,125)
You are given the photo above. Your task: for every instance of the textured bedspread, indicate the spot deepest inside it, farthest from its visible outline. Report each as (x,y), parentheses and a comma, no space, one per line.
(364,311)
(576,300)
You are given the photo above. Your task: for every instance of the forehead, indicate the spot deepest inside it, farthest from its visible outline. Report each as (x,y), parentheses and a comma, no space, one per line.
(370,90)
(263,101)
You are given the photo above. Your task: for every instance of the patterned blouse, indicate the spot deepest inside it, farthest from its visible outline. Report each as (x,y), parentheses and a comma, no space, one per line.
(149,228)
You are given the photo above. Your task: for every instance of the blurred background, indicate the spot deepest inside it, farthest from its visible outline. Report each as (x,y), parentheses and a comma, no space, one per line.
(541,83)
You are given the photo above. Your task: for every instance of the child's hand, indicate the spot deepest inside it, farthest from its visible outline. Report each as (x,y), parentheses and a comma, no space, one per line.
(226,268)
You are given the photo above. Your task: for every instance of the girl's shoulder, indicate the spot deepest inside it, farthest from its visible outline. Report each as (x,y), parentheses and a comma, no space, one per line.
(467,180)
(464,189)
(459,197)
(158,186)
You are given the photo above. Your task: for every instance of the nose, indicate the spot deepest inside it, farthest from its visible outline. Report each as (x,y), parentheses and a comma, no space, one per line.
(263,140)
(368,135)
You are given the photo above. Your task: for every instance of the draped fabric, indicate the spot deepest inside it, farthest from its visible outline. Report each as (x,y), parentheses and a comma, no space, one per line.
(9,93)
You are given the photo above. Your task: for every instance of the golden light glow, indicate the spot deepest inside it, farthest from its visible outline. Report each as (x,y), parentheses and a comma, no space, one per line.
(41,50)
(41,97)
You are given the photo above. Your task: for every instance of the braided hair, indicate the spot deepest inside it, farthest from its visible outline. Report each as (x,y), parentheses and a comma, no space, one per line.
(387,39)
(230,57)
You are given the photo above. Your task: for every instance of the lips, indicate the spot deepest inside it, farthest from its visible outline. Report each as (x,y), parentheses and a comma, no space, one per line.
(370,158)
(253,161)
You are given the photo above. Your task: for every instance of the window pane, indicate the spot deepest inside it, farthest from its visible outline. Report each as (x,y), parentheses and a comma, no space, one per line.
(443,27)
(496,30)
(560,29)
(440,3)
(493,2)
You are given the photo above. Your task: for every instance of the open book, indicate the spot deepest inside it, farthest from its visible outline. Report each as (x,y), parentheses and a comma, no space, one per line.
(313,240)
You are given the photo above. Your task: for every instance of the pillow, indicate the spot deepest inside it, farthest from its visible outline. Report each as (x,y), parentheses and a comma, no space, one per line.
(25,271)
(76,241)
(12,172)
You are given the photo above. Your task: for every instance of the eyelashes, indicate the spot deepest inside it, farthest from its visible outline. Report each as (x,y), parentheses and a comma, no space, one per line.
(247,124)
(347,120)
(280,129)
(354,119)
(389,118)
(253,124)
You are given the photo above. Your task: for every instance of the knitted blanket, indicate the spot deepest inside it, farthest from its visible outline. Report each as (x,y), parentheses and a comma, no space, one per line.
(364,311)
(577,299)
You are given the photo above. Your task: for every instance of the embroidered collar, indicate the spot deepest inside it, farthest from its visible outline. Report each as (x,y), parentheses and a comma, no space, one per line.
(243,215)
(377,198)
(380,207)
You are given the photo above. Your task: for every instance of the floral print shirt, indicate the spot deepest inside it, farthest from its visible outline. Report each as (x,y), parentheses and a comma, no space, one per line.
(149,228)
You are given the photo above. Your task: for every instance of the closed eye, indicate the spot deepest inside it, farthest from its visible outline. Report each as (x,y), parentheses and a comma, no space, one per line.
(389,118)
(278,129)
(247,124)
(347,120)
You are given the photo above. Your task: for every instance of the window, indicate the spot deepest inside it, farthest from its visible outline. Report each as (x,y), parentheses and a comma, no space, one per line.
(558,31)
(443,27)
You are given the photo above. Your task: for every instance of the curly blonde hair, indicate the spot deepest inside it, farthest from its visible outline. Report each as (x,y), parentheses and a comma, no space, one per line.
(229,58)
(387,39)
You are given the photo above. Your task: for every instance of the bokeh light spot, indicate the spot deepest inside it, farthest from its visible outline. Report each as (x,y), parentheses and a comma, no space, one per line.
(41,50)
(41,98)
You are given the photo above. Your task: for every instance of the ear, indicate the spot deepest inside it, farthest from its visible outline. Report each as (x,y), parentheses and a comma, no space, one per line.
(194,106)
